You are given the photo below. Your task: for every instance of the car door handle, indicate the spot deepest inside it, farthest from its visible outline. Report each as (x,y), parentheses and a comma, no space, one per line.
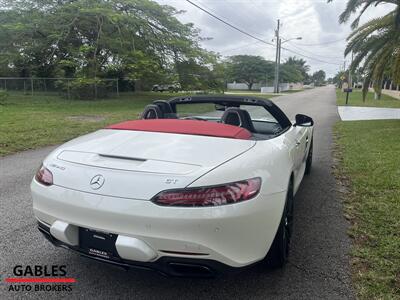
(297,143)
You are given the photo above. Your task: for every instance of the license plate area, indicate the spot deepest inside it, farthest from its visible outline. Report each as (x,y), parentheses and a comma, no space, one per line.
(97,243)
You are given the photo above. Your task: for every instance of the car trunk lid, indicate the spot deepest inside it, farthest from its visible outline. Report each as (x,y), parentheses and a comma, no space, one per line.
(138,164)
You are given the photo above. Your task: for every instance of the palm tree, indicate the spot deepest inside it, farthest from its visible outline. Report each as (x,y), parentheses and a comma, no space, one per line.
(375,44)
(353,5)
(300,63)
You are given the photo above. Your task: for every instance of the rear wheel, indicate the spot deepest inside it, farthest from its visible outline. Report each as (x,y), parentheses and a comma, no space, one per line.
(309,159)
(279,251)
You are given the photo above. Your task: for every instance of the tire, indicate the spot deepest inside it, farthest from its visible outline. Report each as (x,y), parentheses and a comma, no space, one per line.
(278,253)
(307,171)
(171,89)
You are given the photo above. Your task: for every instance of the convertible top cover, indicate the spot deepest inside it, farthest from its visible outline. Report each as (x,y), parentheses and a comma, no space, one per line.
(193,127)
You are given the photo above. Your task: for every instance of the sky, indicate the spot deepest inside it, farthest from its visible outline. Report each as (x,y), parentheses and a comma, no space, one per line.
(315,21)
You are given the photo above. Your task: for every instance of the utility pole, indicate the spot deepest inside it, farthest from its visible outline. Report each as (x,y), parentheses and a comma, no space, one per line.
(279,61)
(350,77)
(349,81)
(276,82)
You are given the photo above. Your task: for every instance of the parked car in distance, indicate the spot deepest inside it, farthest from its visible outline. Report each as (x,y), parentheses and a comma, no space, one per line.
(173,87)
(358,85)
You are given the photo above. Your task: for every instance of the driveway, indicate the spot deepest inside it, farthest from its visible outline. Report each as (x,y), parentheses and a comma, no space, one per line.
(318,266)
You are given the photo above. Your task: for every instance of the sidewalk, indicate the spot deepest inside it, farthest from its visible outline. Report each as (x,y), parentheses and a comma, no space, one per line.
(354,113)
(391,93)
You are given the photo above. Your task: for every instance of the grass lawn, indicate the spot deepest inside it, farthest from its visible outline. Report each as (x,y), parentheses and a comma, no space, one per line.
(369,165)
(28,122)
(355,99)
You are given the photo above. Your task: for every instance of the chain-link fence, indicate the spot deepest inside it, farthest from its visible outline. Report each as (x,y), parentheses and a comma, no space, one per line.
(70,88)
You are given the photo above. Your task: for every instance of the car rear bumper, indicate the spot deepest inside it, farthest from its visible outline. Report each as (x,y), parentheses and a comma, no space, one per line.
(218,238)
(166,265)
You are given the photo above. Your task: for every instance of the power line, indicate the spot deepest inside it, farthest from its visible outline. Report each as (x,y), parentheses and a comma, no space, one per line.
(254,44)
(229,24)
(241,47)
(312,58)
(325,43)
(289,50)
(241,15)
(253,36)
(304,50)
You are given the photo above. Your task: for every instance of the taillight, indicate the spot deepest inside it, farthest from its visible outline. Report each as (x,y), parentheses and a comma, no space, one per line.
(44,176)
(211,196)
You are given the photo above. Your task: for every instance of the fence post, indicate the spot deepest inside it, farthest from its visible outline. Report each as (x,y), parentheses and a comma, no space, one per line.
(95,89)
(68,95)
(117,88)
(31,86)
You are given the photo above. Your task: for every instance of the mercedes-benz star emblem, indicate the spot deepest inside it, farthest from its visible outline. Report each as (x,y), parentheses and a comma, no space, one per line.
(97,182)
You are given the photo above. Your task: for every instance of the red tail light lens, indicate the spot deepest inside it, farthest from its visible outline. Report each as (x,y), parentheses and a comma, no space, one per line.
(44,176)
(211,196)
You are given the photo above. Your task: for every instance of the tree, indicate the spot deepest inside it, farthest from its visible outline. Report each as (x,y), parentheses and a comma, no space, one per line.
(136,39)
(300,65)
(294,70)
(143,69)
(248,69)
(319,77)
(375,45)
(290,73)
(338,78)
(201,74)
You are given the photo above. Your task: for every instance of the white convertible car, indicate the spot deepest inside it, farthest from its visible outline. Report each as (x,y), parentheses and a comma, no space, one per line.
(200,185)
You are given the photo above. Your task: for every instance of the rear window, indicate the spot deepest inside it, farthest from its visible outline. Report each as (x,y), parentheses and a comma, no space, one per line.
(197,109)
(208,110)
(258,113)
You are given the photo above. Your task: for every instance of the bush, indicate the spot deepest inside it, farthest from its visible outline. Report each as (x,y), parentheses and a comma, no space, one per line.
(85,88)
(3,96)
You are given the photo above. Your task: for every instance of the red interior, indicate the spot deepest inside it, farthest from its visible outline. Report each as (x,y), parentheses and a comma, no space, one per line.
(193,127)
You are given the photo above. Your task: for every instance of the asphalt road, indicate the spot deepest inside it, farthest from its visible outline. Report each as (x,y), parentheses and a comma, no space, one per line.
(318,266)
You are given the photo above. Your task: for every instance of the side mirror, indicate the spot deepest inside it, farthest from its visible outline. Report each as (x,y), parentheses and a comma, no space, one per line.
(303,120)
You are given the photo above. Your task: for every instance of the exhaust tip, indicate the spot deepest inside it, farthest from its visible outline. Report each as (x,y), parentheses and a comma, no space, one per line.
(190,270)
